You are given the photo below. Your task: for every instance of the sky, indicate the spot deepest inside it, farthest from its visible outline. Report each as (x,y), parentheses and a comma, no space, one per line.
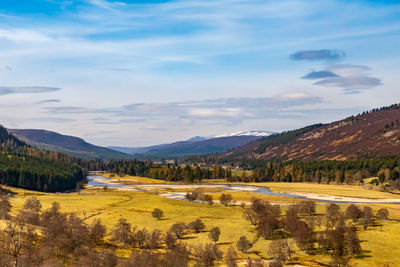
(138,73)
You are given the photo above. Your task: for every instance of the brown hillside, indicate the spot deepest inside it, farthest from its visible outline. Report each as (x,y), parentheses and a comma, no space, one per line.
(370,135)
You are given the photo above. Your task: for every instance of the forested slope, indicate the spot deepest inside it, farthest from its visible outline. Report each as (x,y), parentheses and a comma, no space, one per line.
(27,167)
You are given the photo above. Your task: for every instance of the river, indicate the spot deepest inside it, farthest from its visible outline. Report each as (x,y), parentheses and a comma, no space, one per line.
(100,181)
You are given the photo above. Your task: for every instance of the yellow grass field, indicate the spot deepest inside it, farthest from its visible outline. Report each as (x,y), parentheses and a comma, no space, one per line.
(327,189)
(136,207)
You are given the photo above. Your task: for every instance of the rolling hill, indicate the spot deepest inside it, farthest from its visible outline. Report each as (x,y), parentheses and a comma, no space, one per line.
(369,135)
(71,145)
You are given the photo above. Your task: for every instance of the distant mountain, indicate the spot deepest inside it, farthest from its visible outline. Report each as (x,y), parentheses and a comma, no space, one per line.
(369,135)
(195,146)
(71,145)
(248,133)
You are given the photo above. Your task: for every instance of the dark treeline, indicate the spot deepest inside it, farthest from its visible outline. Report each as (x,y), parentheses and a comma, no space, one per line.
(169,172)
(351,172)
(327,171)
(26,167)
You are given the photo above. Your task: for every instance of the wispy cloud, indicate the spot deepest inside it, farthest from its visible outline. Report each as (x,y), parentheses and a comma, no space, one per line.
(4,90)
(222,109)
(351,78)
(323,54)
(49,101)
(320,75)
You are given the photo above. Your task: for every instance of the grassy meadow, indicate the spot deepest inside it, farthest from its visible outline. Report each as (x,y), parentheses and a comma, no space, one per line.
(110,205)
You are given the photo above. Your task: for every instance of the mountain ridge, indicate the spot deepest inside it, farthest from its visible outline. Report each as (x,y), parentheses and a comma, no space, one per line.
(371,134)
(75,146)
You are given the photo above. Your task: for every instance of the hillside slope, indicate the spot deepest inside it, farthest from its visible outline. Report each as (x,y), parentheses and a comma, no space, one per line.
(369,135)
(27,167)
(71,145)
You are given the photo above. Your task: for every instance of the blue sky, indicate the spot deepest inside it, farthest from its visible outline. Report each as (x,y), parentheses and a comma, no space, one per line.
(135,73)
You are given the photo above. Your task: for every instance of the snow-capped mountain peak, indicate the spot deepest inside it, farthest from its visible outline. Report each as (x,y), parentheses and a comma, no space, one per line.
(247,133)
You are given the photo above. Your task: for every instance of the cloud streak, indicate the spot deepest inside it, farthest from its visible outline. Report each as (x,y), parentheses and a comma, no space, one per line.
(351,78)
(314,55)
(320,75)
(4,90)
(233,110)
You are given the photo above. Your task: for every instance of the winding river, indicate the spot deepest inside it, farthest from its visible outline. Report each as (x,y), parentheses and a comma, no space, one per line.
(100,181)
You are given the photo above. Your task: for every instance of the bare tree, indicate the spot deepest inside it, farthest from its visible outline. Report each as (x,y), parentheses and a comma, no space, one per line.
(367,217)
(15,238)
(179,229)
(141,237)
(303,235)
(275,263)
(208,198)
(255,262)
(243,244)
(266,226)
(226,199)
(333,215)
(353,212)
(352,242)
(280,249)
(122,233)
(157,213)
(231,257)
(97,231)
(155,239)
(382,214)
(178,256)
(30,212)
(197,226)
(170,240)
(5,206)
(208,255)
(214,234)
(307,207)
(192,196)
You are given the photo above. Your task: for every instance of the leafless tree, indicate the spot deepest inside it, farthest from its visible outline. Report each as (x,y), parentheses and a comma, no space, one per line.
(214,234)
(122,233)
(157,213)
(5,206)
(208,198)
(353,212)
(179,229)
(280,249)
(155,239)
(207,255)
(170,240)
(231,257)
(226,199)
(97,231)
(197,226)
(243,244)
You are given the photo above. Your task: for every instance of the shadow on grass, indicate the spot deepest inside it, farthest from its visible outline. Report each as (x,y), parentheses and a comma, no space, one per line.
(365,254)
(188,237)
(224,243)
